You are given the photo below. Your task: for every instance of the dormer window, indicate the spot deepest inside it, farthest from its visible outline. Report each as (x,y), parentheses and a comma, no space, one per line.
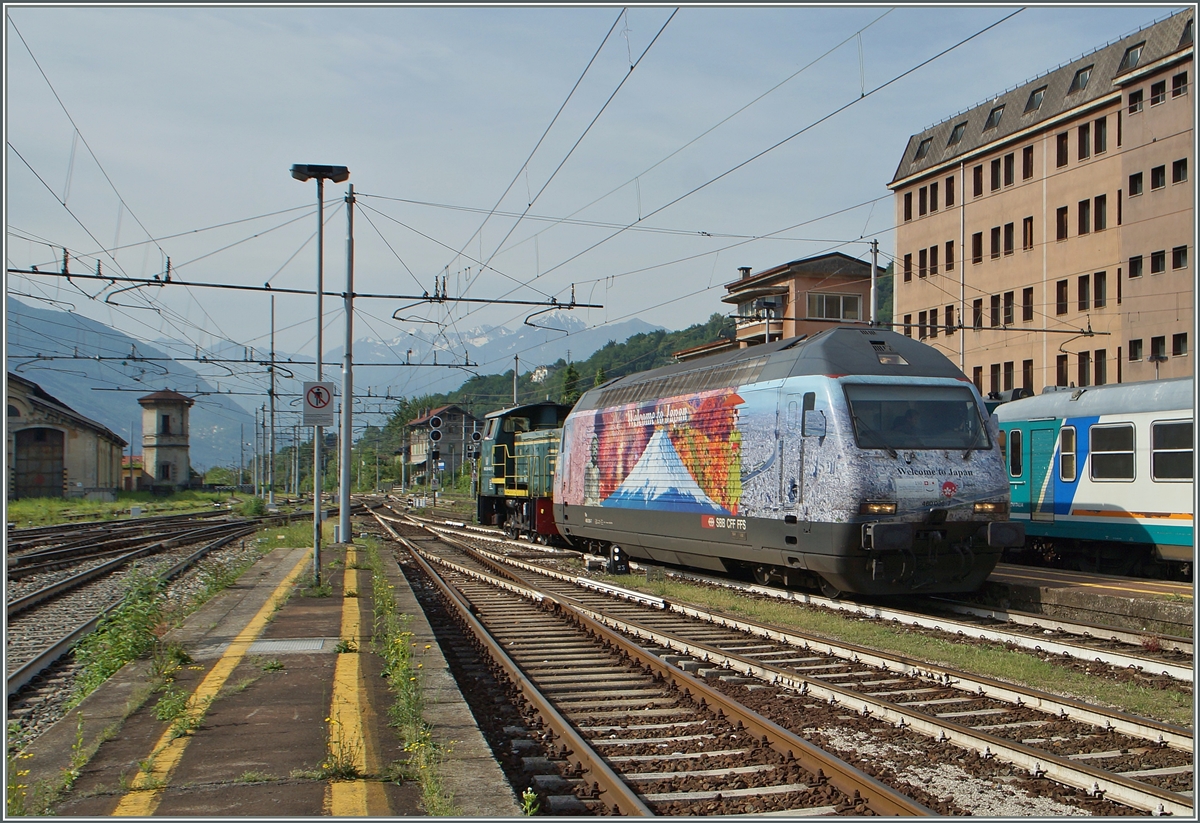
(957,133)
(994,118)
(1035,99)
(1186,39)
(923,149)
(1081,80)
(1132,55)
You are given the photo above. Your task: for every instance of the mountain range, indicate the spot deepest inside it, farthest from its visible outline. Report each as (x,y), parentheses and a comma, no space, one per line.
(52,347)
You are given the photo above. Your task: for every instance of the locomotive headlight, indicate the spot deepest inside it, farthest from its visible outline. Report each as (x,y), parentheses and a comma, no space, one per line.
(877,507)
(991,508)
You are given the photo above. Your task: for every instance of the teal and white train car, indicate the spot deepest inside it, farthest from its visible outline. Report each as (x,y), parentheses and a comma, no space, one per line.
(1103,476)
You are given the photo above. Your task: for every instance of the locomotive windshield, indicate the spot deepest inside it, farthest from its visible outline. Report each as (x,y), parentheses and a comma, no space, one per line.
(891,416)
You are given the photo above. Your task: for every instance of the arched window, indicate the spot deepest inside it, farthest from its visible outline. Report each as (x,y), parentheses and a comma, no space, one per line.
(13,411)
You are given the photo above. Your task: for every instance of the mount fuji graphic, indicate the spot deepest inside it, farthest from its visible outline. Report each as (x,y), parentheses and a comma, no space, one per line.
(660,482)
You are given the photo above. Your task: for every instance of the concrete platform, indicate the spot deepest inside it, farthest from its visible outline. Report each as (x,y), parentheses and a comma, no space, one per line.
(261,743)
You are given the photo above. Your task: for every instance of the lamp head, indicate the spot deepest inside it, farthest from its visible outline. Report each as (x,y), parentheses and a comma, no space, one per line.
(307,171)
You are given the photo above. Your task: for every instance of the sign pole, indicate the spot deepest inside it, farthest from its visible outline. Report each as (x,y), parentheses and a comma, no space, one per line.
(317,430)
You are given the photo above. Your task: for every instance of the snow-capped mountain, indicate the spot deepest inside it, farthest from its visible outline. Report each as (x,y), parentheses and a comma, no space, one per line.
(660,481)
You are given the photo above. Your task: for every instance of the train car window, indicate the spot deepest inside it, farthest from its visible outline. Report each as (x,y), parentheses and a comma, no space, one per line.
(891,416)
(1015,469)
(492,425)
(1112,452)
(516,424)
(1066,448)
(1171,450)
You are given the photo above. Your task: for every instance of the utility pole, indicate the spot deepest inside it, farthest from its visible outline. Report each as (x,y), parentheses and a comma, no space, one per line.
(241,455)
(271,394)
(347,377)
(516,366)
(874,272)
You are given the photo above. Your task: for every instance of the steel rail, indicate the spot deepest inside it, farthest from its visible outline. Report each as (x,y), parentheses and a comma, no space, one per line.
(16,680)
(881,798)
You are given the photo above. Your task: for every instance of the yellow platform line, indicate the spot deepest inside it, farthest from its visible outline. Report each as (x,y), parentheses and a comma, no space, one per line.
(349,739)
(168,751)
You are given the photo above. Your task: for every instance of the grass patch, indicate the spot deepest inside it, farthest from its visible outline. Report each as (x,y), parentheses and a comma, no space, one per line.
(402,668)
(47,511)
(255,777)
(311,588)
(976,657)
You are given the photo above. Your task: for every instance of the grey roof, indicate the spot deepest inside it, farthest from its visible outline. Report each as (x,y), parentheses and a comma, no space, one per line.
(1162,39)
(1172,395)
(47,400)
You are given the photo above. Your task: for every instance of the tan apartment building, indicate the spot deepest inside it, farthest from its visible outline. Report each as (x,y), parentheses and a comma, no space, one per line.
(1046,237)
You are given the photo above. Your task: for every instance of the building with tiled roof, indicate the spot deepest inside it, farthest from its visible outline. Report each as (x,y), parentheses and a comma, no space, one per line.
(1046,236)
(454,448)
(165,438)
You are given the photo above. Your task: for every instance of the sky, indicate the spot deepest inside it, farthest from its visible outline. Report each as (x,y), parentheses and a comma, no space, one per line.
(138,134)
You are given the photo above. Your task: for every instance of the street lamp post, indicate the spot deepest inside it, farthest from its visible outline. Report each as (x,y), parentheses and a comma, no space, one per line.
(338,174)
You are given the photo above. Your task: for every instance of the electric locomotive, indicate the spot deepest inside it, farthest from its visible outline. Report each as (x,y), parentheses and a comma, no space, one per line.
(516,469)
(859,460)
(1102,477)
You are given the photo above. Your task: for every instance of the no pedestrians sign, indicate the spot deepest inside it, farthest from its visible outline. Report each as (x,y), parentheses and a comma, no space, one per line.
(318,404)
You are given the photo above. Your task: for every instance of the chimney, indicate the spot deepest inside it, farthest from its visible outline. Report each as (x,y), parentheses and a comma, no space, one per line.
(745,270)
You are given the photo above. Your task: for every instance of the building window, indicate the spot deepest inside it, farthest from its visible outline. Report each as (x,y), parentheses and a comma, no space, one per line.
(164,471)
(908,205)
(1179,257)
(1135,266)
(1061,154)
(1066,447)
(1027,375)
(1100,289)
(993,119)
(1085,291)
(1179,84)
(1060,298)
(995,318)
(1112,452)
(1085,141)
(1027,304)
(933,196)
(1008,309)
(1079,83)
(977,181)
(996,174)
(956,133)
(949,192)
(995,242)
(907,268)
(1101,369)
(994,382)
(1008,376)
(1158,177)
(949,320)
(977,314)
(1085,216)
(1100,136)
(1135,350)
(1009,169)
(1179,170)
(922,202)
(933,322)
(977,378)
(1100,213)
(949,255)
(1084,374)
(1158,346)
(1135,184)
(165,425)
(1035,100)
(1130,60)
(834,306)
(923,260)
(921,325)
(1135,101)
(1158,262)
(1118,207)
(1061,222)
(1060,370)
(923,149)
(1158,92)
(1118,303)
(1171,450)
(908,325)
(1179,344)
(977,247)
(1027,162)
(1027,234)
(1008,238)
(933,260)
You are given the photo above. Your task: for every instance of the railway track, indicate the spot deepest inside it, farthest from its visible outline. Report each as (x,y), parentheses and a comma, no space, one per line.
(1109,758)
(1148,655)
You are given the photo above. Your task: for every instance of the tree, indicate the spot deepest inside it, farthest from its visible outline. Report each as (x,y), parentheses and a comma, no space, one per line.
(601,377)
(570,386)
